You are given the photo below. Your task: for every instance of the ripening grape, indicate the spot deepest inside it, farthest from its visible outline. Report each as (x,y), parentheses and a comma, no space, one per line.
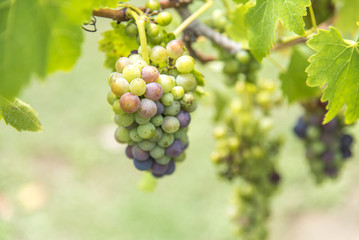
(167,82)
(187,81)
(175,149)
(113,76)
(129,152)
(134,57)
(170,124)
(154,91)
(184,118)
(120,86)
(137,86)
(185,64)
(175,49)
(139,154)
(111,98)
(158,54)
(157,135)
(147,109)
(160,108)
(121,63)
(150,74)
(157,120)
(140,63)
(130,102)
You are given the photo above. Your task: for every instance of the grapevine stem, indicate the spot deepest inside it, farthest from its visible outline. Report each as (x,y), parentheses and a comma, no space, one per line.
(141,21)
(124,5)
(228,8)
(312,17)
(193,17)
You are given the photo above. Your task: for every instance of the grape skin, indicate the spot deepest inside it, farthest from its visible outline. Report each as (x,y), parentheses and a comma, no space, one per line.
(170,124)
(187,81)
(138,86)
(139,154)
(150,74)
(121,63)
(175,149)
(146,131)
(159,169)
(120,86)
(185,64)
(154,91)
(129,102)
(184,118)
(143,165)
(158,54)
(175,49)
(147,109)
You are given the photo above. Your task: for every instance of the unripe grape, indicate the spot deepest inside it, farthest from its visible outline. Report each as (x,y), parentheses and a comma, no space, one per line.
(148,108)
(164,18)
(157,152)
(121,63)
(185,64)
(243,56)
(175,49)
(122,135)
(166,140)
(150,74)
(146,145)
(187,81)
(167,82)
(170,124)
(180,158)
(158,54)
(138,86)
(173,109)
(177,92)
(140,64)
(163,160)
(157,136)
(130,102)
(167,99)
(134,135)
(146,131)
(153,5)
(131,30)
(111,98)
(124,120)
(156,40)
(141,120)
(120,86)
(157,120)
(152,30)
(131,72)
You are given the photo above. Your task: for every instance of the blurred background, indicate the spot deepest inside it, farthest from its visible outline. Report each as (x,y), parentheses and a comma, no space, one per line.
(74,182)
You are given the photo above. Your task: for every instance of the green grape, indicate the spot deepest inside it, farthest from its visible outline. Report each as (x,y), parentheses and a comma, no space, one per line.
(147,145)
(158,55)
(120,86)
(116,107)
(157,136)
(121,63)
(122,135)
(185,64)
(166,140)
(140,64)
(188,101)
(137,86)
(111,98)
(153,5)
(180,158)
(167,99)
(173,109)
(184,139)
(166,82)
(177,92)
(146,131)
(124,120)
(243,56)
(163,160)
(141,120)
(134,135)
(181,132)
(164,18)
(131,72)
(152,30)
(157,39)
(134,57)
(140,50)
(157,152)
(231,67)
(187,81)
(170,124)
(157,120)
(113,76)
(131,30)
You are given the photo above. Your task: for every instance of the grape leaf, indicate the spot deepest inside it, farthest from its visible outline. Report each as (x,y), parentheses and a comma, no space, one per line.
(262,21)
(20,115)
(348,15)
(199,77)
(116,43)
(335,66)
(294,86)
(40,36)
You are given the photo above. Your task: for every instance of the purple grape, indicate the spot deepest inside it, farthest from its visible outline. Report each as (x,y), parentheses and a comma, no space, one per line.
(346,152)
(175,149)
(346,140)
(129,152)
(133,52)
(171,168)
(184,118)
(154,91)
(149,74)
(160,108)
(139,154)
(275,177)
(159,169)
(157,175)
(301,128)
(143,165)
(147,109)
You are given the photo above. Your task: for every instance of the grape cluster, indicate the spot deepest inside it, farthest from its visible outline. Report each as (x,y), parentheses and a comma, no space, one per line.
(152,105)
(327,146)
(246,152)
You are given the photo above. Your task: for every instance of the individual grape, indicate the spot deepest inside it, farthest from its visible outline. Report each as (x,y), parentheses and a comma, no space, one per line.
(185,64)
(177,92)
(116,107)
(138,86)
(143,165)
(171,168)
(187,81)
(157,152)
(146,131)
(301,128)
(346,152)
(141,120)
(131,30)
(140,64)
(243,56)
(175,49)
(111,98)
(153,91)
(173,109)
(158,38)
(150,74)
(157,136)
(181,132)
(184,140)
(167,99)
(166,140)
(164,18)
(158,55)
(160,108)
(130,102)
(153,5)
(147,145)
(134,57)
(159,169)
(170,124)
(184,118)
(188,102)
(113,76)
(175,149)
(139,154)
(131,72)
(129,152)
(134,135)
(120,86)
(121,63)
(147,109)
(167,82)
(346,140)
(180,158)
(122,135)
(124,120)
(163,160)
(140,50)
(157,120)
(152,30)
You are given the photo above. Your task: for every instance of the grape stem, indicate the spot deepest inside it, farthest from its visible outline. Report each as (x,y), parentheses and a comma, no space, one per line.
(194,16)
(228,8)
(312,17)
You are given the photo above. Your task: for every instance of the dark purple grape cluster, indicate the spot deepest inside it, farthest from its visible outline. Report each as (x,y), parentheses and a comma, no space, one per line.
(327,146)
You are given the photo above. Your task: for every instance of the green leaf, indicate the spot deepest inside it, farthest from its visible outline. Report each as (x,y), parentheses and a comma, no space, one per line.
(348,15)
(241,1)
(40,36)
(262,21)
(294,86)
(237,29)
(335,66)
(20,115)
(116,43)
(199,77)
